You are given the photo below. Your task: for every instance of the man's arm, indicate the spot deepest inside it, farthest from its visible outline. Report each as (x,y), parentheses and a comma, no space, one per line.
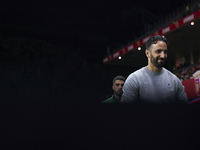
(130,90)
(181,95)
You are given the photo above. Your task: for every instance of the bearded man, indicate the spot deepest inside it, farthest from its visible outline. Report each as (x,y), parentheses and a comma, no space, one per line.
(117,86)
(153,83)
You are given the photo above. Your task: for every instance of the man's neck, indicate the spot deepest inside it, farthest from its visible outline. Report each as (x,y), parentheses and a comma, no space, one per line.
(154,69)
(117,97)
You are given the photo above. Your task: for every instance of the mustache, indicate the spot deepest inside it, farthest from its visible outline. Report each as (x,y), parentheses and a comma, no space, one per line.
(160,58)
(120,90)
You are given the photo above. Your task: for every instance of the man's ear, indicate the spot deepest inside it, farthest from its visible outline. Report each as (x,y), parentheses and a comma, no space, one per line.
(113,87)
(147,52)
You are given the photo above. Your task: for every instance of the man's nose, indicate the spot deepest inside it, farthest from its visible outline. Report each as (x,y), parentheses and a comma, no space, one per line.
(162,55)
(120,86)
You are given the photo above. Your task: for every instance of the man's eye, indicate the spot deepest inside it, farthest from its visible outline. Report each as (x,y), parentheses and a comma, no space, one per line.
(158,51)
(117,84)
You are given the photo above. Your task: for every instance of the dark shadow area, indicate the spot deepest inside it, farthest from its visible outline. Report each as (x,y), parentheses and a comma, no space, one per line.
(34,70)
(63,126)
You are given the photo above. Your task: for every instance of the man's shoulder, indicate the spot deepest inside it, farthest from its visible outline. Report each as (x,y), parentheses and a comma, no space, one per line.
(170,73)
(109,100)
(138,72)
(136,75)
(172,76)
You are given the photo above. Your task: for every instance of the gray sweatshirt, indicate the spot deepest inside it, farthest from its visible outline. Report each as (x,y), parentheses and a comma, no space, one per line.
(162,87)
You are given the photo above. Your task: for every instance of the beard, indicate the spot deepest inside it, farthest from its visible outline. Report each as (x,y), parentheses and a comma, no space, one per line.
(119,93)
(155,62)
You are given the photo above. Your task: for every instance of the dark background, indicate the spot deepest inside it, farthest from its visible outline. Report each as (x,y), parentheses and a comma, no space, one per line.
(51,71)
(53,50)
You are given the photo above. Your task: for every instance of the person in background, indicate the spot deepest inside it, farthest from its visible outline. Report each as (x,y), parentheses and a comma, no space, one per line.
(153,83)
(117,86)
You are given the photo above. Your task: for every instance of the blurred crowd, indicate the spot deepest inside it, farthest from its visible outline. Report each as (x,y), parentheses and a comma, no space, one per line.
(185,72)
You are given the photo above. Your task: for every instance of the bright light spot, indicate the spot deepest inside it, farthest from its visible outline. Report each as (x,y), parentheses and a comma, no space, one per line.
(139,48)
(192,23)
(119,57)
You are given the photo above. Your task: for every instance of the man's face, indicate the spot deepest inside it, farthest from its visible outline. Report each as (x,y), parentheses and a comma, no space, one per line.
(117,87)
(158,54)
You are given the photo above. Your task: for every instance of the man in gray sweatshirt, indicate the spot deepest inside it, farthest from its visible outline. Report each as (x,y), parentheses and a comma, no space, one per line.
(153,83)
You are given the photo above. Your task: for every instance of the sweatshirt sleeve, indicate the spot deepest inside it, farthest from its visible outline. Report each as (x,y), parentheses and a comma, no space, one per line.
(130,90)
(181,95)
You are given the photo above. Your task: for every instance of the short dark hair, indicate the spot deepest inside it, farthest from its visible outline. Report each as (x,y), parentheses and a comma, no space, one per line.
(154,39)
(119,78)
